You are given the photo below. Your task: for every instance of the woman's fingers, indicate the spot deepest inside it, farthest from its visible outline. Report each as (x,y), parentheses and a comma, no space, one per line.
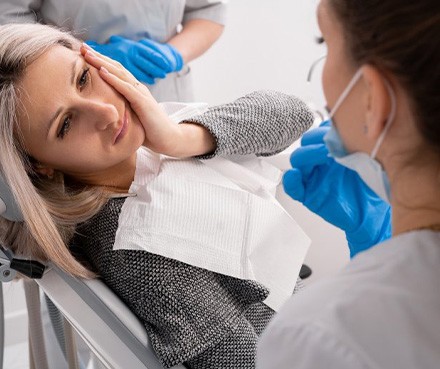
(135,92)
(123,87)
(86,48)
(98,60)
(112,66)
(154,119)
(161,134)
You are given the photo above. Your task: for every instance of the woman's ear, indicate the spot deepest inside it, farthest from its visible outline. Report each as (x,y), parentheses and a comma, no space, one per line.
(44,170)
(378,101)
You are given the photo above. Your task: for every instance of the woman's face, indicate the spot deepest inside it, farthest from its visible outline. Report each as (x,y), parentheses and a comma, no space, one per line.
(337,72)
(75,122)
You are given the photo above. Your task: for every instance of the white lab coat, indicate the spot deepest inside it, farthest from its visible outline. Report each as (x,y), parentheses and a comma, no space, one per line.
(382,311)
(97,20)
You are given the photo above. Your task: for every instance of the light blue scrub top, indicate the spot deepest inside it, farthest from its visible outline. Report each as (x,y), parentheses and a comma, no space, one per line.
(381,311)
(135,19)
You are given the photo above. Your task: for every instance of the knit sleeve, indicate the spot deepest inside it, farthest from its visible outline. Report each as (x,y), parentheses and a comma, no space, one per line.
(262,123)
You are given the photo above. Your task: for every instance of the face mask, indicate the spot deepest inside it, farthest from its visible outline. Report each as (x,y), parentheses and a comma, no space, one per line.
(368,168)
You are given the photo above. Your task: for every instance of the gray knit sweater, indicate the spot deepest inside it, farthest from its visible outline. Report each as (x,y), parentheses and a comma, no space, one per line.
(192,315)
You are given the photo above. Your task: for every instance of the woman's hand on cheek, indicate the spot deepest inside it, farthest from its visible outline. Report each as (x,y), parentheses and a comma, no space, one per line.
(162,135)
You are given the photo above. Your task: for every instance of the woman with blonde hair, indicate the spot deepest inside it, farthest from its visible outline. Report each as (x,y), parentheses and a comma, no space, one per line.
(74,129)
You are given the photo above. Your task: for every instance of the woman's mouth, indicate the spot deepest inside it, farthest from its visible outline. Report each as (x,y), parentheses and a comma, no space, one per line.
(123,129)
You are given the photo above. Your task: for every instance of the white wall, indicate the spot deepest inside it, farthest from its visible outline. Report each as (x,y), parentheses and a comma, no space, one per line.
(267,44)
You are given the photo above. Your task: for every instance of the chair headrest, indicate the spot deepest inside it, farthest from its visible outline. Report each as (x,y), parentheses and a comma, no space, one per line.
(8,206)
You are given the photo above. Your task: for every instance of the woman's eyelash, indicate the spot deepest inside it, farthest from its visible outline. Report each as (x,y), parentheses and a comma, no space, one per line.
(67,121)
(84,78)
(65,127)
(319,40)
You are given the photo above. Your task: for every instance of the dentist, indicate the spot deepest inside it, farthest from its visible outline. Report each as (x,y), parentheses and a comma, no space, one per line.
(381,82)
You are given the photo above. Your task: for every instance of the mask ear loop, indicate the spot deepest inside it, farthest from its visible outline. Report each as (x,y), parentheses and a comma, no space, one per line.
(345,93)
(313,66)
(389,121)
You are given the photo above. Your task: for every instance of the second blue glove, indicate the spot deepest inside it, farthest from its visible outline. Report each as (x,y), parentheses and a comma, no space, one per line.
(336,193)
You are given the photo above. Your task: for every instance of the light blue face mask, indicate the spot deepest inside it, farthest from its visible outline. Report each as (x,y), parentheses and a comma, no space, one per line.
(368,168)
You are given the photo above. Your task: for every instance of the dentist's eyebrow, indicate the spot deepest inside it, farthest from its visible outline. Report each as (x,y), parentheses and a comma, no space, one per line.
(72,82)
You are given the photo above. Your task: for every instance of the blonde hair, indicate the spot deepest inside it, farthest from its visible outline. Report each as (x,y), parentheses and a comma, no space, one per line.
(50,209)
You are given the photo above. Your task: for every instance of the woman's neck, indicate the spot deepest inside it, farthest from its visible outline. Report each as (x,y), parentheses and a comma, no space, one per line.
(417,219)
(116,179)
(416,198)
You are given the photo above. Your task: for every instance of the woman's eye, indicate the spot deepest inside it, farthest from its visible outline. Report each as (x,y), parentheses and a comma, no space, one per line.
(65,127)
(84,78)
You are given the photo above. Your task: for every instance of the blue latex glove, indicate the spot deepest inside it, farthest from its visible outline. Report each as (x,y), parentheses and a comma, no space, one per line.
(172,55)
(336,193)
(145,59)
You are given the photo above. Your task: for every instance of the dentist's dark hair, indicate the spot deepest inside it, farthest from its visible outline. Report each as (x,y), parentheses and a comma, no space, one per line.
(401,37)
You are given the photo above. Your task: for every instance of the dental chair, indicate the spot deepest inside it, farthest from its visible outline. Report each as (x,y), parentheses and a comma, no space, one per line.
(104,322)
(111,331)
(108,327)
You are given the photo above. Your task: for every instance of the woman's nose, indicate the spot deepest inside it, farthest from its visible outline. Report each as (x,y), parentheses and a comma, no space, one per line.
(103,115)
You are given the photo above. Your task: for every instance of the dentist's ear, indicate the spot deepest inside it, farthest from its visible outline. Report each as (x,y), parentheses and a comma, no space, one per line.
(378,101)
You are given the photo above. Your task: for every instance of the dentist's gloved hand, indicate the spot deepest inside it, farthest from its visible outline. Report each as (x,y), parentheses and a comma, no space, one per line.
(336,193)
(145,59)
(172,55)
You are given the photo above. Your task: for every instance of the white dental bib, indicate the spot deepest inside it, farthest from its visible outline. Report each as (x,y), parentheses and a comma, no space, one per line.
(215,214)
